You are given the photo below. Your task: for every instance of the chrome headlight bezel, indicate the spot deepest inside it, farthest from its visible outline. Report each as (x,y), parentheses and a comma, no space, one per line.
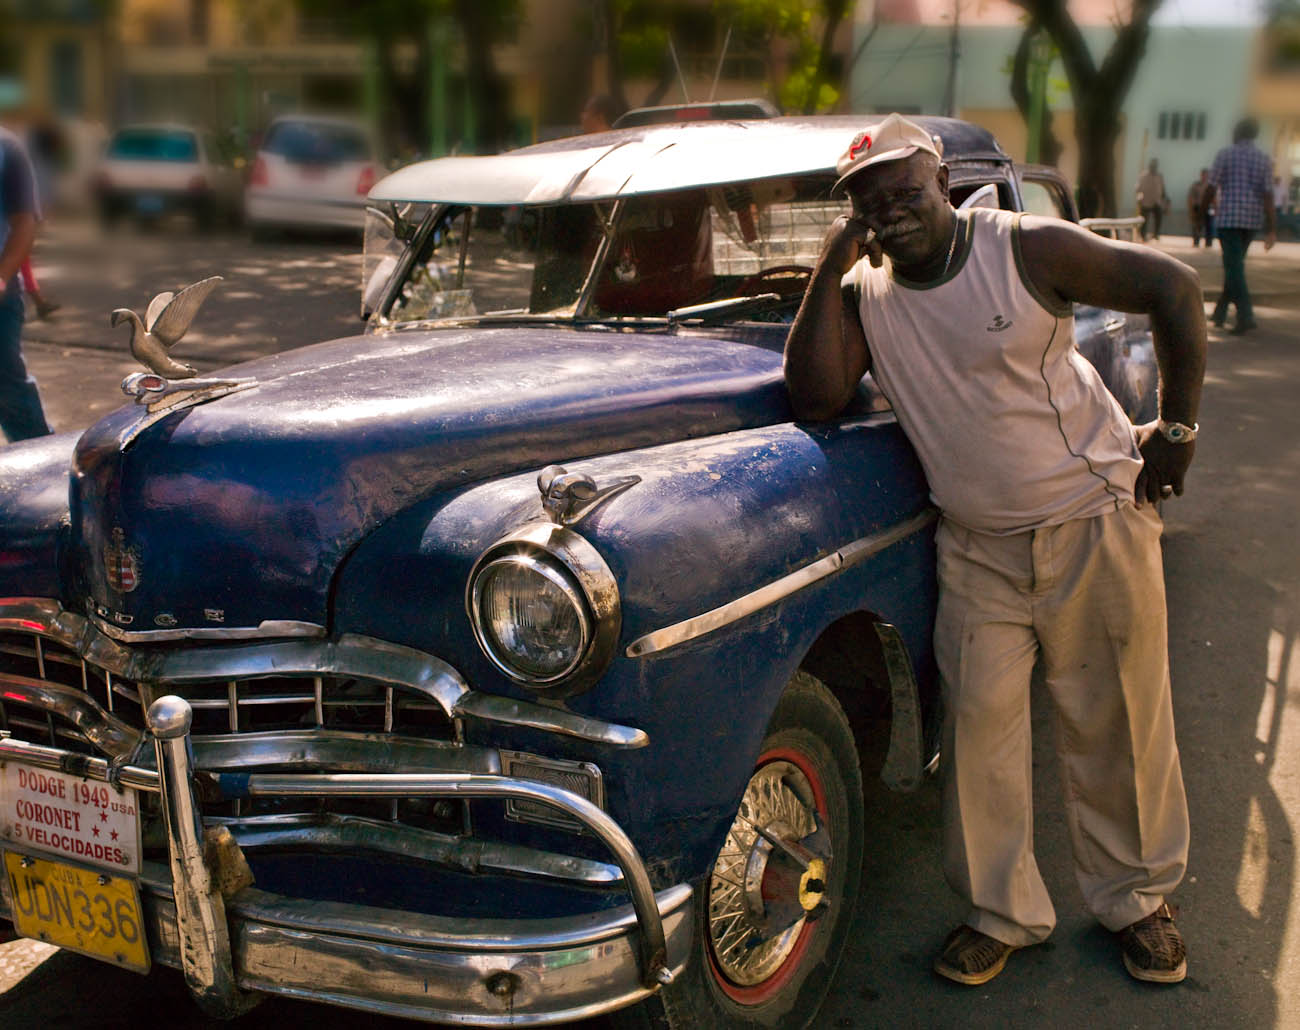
(570,563)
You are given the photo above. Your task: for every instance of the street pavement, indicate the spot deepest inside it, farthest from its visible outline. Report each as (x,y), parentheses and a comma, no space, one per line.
(1232,558)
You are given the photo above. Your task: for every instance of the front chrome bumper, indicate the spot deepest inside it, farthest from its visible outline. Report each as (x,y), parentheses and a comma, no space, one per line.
(489,972)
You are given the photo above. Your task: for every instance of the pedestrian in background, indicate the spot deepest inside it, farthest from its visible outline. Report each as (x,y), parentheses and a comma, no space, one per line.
(1279,196)
(1200,201)
(1152,199)
(1243,181)
(21,414)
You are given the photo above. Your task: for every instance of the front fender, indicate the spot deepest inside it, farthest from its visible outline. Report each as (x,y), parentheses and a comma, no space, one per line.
(33,514)
(711,520)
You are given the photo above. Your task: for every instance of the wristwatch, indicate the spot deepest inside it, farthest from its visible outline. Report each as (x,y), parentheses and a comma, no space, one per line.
(1176,432)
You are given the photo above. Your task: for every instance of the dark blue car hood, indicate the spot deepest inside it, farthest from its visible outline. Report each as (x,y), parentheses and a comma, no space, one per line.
(239,510)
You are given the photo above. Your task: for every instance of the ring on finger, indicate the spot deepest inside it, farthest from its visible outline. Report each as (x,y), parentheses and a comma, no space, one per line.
(1166,490)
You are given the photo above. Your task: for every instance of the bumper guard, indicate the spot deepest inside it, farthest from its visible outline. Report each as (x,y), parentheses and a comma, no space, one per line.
(231,947)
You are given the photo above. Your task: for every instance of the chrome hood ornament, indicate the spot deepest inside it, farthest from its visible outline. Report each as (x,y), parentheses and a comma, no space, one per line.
(569,497)
(168,317)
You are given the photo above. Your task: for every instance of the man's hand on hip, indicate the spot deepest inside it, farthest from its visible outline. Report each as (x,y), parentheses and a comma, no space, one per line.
(1164,465)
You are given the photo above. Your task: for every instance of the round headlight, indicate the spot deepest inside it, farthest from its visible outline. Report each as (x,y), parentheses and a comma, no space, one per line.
(530,617)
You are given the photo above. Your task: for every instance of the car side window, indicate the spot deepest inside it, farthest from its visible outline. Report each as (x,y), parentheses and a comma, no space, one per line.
(1040,198)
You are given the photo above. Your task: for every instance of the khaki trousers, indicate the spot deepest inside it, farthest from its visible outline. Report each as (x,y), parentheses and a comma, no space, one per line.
(1088,598)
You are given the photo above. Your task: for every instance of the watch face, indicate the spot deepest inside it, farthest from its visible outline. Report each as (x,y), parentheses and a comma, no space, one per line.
(1175,433)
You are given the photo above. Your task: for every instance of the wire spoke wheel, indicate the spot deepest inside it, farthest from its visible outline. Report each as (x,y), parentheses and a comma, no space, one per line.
(741,953)
(773,911)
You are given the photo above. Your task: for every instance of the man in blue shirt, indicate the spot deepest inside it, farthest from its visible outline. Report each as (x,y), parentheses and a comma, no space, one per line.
(1243,178)
(21,415)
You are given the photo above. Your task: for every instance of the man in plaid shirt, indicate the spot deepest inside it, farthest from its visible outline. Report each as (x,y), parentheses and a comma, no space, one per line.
(1243,177)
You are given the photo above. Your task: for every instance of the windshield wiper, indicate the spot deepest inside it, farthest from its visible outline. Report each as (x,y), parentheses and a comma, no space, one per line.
(726,306)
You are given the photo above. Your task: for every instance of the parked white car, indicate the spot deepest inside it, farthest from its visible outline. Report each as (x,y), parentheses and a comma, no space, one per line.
(148,171)
(311,172)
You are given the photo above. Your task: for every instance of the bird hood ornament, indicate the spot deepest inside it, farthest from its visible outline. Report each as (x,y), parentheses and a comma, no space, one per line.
(165,322)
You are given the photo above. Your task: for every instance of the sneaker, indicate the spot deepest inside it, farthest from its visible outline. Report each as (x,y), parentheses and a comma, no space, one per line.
(1154,949)
(1242,328)
(971,957)
(46,308)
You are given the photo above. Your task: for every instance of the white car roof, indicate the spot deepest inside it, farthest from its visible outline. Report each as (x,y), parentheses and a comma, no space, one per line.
(651,159)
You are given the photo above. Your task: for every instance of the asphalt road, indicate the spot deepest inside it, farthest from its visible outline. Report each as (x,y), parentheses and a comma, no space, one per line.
(1232,559)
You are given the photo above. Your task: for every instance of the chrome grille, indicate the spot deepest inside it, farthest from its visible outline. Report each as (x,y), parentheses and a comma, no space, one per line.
(220,707)
(231,707)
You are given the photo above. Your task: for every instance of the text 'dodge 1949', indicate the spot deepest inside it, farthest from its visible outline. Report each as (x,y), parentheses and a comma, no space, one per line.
(77,818)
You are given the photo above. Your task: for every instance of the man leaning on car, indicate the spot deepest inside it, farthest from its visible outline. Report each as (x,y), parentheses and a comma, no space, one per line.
(1049,545)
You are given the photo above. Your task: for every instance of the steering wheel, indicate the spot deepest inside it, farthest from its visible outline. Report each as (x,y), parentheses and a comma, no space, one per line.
(787,280)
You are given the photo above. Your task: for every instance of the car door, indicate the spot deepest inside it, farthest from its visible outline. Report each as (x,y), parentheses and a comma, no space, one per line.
(1118,344)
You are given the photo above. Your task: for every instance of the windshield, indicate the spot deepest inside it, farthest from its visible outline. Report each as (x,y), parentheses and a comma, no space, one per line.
(644,257)
(154,145)
(316,143)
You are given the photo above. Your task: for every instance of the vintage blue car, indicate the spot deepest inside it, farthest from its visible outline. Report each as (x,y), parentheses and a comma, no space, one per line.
(517,660)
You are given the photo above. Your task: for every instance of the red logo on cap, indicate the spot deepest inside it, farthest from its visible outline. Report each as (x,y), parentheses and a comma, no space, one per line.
(863,142)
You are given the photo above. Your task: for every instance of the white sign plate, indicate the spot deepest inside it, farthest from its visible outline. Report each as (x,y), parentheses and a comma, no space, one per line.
(81,819)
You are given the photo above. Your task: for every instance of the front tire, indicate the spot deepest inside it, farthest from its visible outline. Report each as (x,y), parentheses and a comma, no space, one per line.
(743,974)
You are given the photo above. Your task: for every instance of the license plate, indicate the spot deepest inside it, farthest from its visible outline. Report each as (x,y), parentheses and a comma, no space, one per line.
(71,817)
(149,203)
(94,913)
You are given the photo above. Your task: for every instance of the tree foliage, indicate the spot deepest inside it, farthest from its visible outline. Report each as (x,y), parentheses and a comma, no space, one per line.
(1098,90)
(806,28)
(638,37)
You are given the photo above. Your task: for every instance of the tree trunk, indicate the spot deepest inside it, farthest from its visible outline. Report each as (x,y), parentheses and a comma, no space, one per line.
(1098,92)
(1049,147)
(605,18)
(487,92)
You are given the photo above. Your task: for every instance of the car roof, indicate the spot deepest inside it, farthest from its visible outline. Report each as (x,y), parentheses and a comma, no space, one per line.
(156,127)
(320,119)
(658,158)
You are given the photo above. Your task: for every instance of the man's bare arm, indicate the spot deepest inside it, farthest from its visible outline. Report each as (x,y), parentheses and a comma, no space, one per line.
(22,231)
(1072,264)
(826,352)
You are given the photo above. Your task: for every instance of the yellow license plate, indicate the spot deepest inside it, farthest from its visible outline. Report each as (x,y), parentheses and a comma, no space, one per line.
(84,910)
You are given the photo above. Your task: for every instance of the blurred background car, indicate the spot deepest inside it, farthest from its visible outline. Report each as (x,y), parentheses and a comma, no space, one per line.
(149,171)
(311,172)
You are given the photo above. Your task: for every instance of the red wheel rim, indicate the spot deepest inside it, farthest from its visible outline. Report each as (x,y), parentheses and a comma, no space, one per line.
(759,993)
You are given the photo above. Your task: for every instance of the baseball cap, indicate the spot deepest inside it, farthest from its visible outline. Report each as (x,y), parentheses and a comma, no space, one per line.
(890,140)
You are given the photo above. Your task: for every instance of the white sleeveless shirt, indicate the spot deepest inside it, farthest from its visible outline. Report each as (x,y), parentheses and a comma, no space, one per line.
(1014,427)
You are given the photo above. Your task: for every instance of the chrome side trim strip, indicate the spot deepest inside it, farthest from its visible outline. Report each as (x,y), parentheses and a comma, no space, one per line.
(771,593)
(466,855)
(495,708)
(351,655)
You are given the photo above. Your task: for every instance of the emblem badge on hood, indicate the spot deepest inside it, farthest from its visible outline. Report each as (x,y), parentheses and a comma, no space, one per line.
(121,564)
